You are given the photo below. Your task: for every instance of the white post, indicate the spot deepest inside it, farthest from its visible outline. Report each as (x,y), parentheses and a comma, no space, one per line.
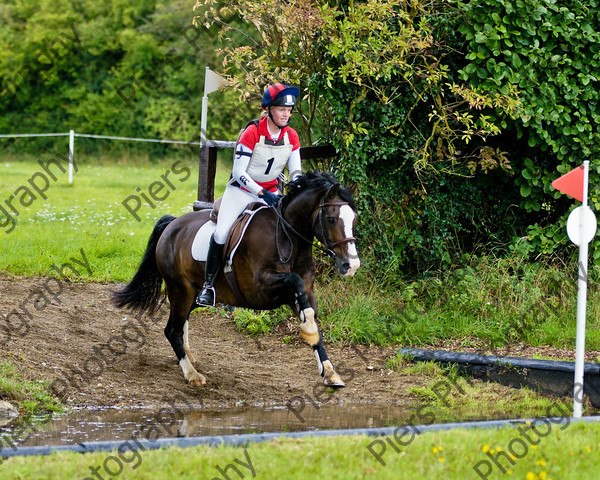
(71,147)
(581,300)
(203,118)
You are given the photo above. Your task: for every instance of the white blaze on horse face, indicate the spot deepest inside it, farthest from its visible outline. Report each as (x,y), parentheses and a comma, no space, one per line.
(347,216)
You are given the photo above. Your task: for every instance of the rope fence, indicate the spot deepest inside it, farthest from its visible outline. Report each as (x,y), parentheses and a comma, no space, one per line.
(181,142)
(35,135)
(71,134)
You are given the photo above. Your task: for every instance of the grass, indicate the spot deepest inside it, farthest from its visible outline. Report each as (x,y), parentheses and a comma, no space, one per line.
(500,300)
(89,213)
(456,397)
(561,451)
(255,323)
(497,299)
(31,397)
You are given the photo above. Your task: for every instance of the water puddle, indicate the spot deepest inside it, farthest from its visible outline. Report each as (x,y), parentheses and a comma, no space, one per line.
(107,424)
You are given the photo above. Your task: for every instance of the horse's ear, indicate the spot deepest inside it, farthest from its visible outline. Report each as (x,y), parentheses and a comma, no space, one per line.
(353,188)
(333,191)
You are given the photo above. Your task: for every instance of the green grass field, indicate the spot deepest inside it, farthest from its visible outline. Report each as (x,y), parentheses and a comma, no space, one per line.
(550,451)
(89,214)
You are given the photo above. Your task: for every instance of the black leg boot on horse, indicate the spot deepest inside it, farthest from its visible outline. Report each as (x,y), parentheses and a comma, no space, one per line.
(214,258)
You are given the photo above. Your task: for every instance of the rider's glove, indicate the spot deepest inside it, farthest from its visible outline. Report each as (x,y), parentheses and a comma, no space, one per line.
(270,198)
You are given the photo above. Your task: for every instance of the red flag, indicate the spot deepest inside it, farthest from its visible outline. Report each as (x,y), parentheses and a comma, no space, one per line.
(571,183)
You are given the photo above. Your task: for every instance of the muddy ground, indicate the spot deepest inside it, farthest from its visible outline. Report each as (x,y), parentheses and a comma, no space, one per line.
(98,355)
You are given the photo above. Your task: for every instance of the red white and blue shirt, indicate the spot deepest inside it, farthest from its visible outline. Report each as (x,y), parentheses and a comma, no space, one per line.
(260,156)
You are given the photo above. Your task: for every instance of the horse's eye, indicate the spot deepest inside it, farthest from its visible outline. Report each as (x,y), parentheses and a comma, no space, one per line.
(331,220)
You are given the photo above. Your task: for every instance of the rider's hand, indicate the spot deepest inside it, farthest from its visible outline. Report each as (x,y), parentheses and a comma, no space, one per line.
(270,198)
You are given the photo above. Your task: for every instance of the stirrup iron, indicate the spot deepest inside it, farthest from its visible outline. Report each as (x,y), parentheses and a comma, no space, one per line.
(208,291)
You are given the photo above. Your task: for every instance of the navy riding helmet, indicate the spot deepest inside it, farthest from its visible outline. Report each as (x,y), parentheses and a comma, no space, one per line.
(279,94)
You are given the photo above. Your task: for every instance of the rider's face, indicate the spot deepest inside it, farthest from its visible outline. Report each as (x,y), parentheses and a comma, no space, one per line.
(281,115)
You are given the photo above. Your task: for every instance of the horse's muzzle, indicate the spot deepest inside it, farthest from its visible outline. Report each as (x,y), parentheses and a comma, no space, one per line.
(348,268)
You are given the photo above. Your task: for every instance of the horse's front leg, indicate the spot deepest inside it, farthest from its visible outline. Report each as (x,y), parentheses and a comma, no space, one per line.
(306,309)
(309,331)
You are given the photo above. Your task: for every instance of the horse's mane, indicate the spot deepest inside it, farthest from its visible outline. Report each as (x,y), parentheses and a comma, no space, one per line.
(320,181)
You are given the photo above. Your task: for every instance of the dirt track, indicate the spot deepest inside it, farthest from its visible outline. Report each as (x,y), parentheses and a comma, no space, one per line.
(98,355)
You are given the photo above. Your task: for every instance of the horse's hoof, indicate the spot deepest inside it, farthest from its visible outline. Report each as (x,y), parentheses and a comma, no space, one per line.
(197,380)
(334,381)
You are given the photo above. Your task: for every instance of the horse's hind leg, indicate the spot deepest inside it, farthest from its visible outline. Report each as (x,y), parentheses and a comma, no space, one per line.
(186,343)
(176,332)
(306,309)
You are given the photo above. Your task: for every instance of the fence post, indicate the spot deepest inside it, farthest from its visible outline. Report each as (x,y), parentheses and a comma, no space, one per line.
(206,177)
(71,154)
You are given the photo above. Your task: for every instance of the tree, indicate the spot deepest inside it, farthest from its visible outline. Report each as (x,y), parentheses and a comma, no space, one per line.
(115,68)
(383,47)
(377,87)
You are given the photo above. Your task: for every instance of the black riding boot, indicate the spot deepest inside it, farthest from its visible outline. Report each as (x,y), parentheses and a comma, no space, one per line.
(206,298)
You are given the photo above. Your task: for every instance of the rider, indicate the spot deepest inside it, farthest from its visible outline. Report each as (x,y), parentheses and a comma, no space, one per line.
(263,150)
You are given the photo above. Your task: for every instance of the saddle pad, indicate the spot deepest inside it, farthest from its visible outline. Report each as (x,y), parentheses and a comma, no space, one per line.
(201,241)
(202,238)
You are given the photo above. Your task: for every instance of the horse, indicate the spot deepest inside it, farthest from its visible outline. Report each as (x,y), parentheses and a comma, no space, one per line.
(274,265)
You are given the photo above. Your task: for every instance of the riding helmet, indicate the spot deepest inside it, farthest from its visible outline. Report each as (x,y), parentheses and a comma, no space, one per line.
(279,94)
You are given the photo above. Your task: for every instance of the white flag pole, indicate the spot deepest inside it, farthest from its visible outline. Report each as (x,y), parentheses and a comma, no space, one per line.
(203,118)
(581,299)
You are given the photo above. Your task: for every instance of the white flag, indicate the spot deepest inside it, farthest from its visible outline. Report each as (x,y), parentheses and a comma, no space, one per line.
(213,81)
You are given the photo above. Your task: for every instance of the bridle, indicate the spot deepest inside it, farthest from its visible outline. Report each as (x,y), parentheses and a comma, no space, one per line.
(320,217)
(329,246)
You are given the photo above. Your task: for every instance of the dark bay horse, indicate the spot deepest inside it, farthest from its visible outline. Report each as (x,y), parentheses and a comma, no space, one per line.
(274,265)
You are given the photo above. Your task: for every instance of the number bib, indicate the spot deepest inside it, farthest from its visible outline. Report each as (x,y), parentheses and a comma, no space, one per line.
(268,161)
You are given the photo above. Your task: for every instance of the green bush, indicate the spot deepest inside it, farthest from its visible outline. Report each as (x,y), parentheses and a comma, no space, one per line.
(131,69)
(258,322)
(453,118)
(549,52)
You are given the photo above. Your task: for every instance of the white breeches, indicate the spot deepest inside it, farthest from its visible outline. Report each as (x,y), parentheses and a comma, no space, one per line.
(235,200)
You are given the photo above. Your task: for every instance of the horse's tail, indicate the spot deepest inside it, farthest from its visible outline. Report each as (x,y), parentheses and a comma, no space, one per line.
(142,293)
